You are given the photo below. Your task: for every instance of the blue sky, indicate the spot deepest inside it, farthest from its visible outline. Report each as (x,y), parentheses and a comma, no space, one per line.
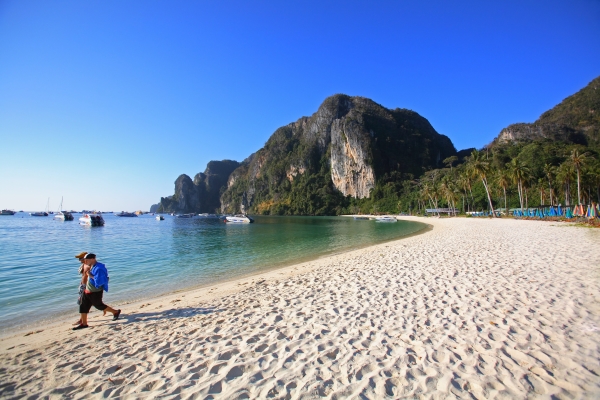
(107,102)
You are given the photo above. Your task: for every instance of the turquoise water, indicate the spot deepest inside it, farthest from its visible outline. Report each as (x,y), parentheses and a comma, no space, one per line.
(146,257)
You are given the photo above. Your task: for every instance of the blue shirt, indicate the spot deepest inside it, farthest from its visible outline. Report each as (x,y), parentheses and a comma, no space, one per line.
(100,276)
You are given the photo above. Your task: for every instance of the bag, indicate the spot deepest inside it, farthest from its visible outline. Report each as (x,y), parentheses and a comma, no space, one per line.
(81,291)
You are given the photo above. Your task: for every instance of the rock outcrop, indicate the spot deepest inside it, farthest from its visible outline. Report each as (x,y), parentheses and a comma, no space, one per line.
(341,150)
(200,195)
(575,120)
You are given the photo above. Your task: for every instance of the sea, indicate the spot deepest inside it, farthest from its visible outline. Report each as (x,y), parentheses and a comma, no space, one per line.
(146,258)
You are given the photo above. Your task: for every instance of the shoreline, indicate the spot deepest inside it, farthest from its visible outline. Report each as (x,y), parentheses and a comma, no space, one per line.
(473,308)
(214,290)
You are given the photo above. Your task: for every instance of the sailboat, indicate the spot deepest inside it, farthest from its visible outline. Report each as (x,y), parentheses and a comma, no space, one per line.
(63,215)
(42,213)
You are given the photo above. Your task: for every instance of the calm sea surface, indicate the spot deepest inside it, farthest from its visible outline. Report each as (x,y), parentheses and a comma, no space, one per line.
(146,257)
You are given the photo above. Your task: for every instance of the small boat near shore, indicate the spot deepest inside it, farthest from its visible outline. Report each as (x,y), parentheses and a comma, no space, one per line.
(361,217)
(385,219)
(238,219)
(7,212)
(184,215)
(91,220)
(206,215)
(126,214)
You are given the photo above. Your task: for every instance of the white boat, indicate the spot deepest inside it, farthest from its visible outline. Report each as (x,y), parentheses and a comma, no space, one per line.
(386,219)
(91,220)
(239,219)
(63,215)
(206,215)
(160,218)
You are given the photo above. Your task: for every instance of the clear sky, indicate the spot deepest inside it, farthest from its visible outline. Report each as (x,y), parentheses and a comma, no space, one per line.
(107,102)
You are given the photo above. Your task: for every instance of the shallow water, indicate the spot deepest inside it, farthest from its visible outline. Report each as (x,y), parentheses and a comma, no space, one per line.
(146,257)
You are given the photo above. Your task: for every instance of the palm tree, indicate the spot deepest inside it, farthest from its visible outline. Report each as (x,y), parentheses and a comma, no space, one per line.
(480,166)
(519,173)
(462,183)
(564,175)
(503,180)
(541,186)
(549,170)
(578,160)
(450,162)
(428,192)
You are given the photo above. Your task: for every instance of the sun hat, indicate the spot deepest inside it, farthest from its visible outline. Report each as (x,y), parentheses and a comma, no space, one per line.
(81,255)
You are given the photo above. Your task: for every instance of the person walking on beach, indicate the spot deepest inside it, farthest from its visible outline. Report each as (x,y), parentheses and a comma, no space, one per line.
(95,277)
(80,257)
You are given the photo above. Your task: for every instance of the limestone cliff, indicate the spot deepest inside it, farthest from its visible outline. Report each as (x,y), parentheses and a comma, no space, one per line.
(311,165)
(200,195)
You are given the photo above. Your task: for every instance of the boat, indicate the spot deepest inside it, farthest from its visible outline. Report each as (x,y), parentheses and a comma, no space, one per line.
(360,217)
(126,214)
(386,219)
(91,220)
(238,219)
(42,213)
(160,218)
(7,212)
(63,215)
(206,215)
(184,215)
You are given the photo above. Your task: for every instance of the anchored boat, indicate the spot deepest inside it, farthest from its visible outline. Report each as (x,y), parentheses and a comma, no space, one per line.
(63,215)
(91,220)
(126,214)
(239,219)
(386,219)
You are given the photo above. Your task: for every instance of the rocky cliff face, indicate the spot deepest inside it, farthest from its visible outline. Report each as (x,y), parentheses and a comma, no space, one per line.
(202,194)
(350,171)
(576,120)
(341,150)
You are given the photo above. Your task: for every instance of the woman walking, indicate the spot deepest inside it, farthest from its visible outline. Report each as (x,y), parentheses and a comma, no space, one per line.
(95,278)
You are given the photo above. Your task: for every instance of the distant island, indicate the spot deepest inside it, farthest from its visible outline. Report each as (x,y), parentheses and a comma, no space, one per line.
(356,156)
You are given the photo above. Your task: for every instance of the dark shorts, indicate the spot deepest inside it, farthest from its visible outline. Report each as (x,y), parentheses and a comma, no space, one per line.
(91,299)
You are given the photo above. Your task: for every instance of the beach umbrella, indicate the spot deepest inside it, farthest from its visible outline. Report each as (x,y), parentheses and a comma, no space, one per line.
(592,212)
(568,213)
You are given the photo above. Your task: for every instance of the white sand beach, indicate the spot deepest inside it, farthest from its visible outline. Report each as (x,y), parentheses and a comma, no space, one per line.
(473,308)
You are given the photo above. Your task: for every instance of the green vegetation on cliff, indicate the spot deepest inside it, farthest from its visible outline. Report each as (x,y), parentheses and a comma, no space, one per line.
(323,164)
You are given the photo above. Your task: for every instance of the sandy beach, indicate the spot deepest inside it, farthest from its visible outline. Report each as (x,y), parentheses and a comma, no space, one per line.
(472,308)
